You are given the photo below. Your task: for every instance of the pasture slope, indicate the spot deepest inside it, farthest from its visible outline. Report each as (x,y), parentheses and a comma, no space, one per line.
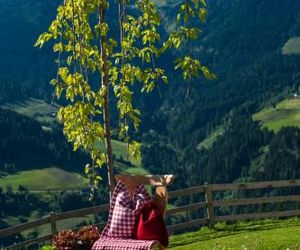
(255,235)
(43,179)
(283,114)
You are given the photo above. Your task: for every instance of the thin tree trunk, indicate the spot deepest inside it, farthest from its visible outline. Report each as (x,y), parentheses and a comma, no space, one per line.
(109,158)
(106,112)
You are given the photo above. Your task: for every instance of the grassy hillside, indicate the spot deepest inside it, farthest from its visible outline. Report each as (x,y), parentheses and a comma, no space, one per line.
(56,178)
(210,139)
(262,235)
(43,179)
(284,114)
(130,169)
(292,46)
(120,151)
(34,108)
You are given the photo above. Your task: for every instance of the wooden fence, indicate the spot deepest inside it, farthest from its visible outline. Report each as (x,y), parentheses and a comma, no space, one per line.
(207,204)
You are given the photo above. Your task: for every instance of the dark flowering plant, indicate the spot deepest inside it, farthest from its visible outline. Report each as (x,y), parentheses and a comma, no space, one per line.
(84,238)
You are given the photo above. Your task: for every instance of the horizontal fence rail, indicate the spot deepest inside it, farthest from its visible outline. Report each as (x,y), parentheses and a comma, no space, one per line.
(255,185)
(186,208)
(252,201)
(275,214)
(208,204)
(24,227)
(187,191)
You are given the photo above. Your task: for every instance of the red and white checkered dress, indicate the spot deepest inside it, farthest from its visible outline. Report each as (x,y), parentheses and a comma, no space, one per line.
(117,235)
(106,243)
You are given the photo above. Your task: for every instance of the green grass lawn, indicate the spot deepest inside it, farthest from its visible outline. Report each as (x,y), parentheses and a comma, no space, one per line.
(256,235)
(285,114)
(43,179)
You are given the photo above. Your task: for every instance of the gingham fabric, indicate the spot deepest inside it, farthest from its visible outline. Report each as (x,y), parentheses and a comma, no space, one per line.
(106,243)
(122,216)
(124,211)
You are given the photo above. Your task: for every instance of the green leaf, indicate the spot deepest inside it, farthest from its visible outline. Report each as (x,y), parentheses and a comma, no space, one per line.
(134,149)
(202,14)
(43,38)
(203,2)
(209,75)
(87,169)
(165,79)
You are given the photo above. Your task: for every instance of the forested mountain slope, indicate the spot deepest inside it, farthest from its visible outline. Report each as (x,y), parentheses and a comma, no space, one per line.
(26,145)
(242,42)
(20,63)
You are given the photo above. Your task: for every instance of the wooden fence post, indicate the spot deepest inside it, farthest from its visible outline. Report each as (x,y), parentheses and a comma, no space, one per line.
(53,223)
(209,203)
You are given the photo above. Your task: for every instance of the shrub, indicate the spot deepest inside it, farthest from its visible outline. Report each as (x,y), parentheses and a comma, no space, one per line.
(87,236)
(65,239)
(83,239)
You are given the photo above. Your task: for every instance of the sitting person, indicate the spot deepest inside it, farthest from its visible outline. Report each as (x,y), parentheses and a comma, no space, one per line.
(135,220)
